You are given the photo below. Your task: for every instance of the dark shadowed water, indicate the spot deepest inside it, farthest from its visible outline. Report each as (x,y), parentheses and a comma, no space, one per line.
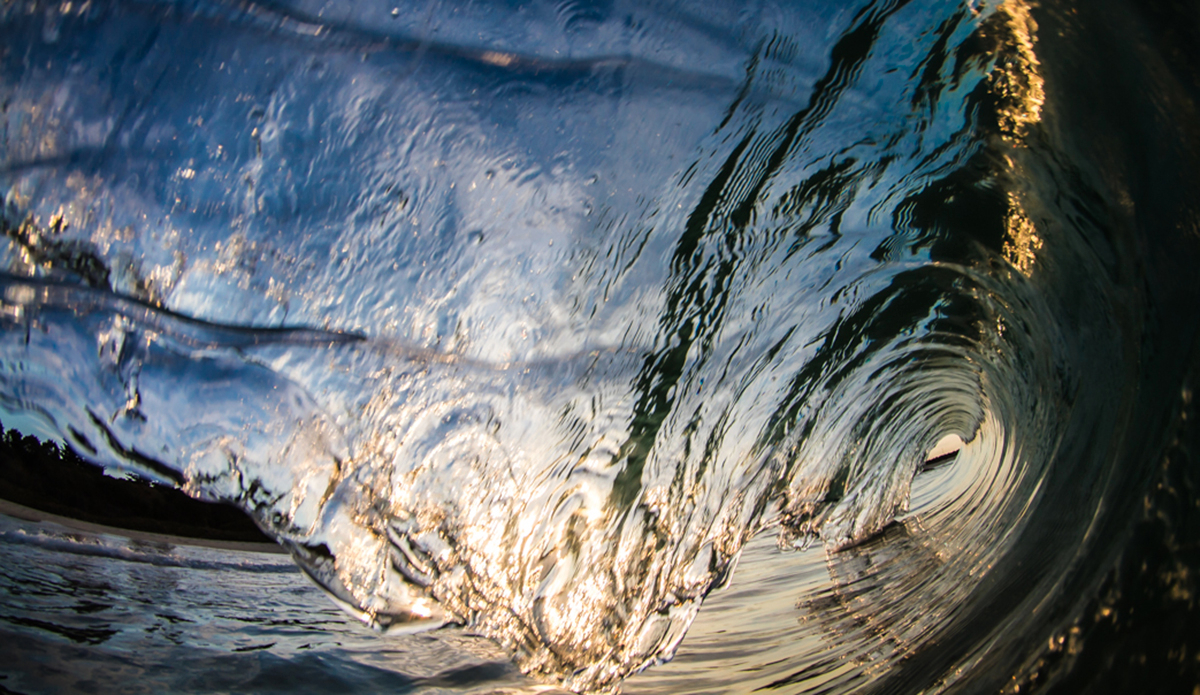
(808,347)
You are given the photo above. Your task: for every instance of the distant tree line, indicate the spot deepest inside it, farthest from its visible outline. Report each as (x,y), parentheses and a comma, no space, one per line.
(54,479)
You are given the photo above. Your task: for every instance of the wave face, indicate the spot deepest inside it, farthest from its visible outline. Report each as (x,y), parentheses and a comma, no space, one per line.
(530,318)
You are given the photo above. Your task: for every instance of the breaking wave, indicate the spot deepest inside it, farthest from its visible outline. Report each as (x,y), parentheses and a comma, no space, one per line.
(531,319)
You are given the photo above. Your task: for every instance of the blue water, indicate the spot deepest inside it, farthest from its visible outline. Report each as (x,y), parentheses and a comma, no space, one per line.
(535,326)
(87,610)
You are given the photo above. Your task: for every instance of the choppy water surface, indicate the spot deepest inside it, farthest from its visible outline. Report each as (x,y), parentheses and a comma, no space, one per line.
(87,611)
(533,318)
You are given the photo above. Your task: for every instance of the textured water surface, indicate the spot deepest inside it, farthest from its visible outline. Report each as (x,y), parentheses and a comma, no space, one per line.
(95,611)
(532,320)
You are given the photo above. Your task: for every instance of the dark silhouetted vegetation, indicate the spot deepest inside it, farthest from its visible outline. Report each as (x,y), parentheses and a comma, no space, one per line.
(46,477)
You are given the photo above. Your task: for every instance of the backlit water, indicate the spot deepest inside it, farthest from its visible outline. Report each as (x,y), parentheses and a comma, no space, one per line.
(547,321)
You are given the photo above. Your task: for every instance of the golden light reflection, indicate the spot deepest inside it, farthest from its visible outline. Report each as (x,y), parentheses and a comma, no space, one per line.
(1016,80)
(1022,242)
(497,58)
(1019,88)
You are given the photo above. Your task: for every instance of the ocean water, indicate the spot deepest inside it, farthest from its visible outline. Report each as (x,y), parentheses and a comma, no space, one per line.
(810,346)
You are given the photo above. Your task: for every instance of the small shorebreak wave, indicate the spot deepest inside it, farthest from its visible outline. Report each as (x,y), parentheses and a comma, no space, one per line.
(537,345)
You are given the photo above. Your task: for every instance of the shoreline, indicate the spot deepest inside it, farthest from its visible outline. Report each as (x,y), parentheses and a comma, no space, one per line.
(29,514)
